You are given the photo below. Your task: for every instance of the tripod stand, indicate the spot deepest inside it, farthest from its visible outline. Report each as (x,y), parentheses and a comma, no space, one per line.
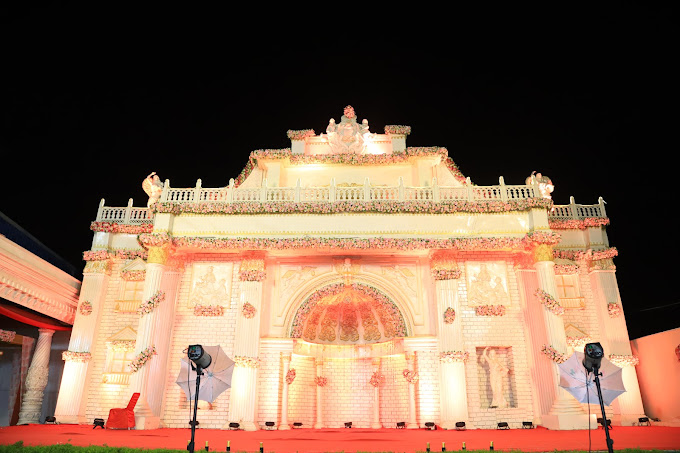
(610,442)
(193,422)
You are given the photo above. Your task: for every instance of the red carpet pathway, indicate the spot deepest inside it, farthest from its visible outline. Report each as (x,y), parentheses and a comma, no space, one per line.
(347,440)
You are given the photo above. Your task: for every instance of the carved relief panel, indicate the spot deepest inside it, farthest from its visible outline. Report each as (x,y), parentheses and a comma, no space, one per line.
(487,283)
(211,284)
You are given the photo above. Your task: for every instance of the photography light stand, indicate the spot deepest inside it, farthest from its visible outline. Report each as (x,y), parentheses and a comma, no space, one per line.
(591,362)
(200,359)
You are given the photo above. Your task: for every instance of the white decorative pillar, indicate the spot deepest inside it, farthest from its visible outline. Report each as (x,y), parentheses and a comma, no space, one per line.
(319,395)
(566,411)
(412,367)
(375,424)
(243,395)
(36,380)
(75,382)
(453,389)
(151,326)
(616,344)
(284,393)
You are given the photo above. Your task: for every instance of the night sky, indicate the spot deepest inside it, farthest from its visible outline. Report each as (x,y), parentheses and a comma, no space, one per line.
(95,99)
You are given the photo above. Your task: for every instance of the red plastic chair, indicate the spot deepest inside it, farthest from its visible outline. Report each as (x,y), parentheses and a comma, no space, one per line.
(124,417)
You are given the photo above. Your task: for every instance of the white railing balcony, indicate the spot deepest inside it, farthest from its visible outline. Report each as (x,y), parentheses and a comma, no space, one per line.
(341,193)
(573,211)
(128,215)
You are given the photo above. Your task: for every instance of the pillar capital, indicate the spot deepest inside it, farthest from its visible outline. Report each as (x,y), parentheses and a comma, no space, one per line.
(159,254)
(543,252)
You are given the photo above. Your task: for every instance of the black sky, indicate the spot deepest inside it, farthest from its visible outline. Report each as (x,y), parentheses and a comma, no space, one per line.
(94,99)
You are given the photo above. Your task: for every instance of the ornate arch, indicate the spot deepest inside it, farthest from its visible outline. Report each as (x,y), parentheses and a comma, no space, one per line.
(394,317)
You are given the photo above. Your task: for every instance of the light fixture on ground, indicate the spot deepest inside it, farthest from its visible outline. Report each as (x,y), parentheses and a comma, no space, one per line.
(200,359)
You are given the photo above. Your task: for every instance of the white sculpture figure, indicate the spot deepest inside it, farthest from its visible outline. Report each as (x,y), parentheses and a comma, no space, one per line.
(545,185)
(153,187)
(208,291)
(497,373)
(348,136)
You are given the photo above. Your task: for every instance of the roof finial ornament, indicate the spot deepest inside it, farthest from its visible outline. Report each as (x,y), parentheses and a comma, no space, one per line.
(348,136)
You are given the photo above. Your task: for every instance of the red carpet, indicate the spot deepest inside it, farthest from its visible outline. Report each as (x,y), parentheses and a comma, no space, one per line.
(348,440)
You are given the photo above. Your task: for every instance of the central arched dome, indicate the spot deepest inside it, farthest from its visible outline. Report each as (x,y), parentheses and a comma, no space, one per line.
(348,314)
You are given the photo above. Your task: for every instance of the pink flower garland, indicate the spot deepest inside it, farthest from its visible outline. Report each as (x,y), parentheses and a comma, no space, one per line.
(151,304)
(113,227)
(248,311)
(581,224)
(614,310)
(252,275)
(377,379)
(300,134)
(410,376)
(550,302)
(133,276)
(72,356)
(208,310)
(394,129)
(85,308)
(490,310)
(449,315)
(454,356)
(446,274)
(290,376)
(7,335)
(247,362)
(623,360)
(553,355)
(141,359)
(321,381)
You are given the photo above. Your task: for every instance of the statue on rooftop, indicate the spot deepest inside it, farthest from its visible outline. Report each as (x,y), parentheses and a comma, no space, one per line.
(348,136)
(545,185)
(153,187)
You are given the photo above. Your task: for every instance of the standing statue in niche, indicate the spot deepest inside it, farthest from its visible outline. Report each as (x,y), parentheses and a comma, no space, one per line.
(497,373)
(153,187)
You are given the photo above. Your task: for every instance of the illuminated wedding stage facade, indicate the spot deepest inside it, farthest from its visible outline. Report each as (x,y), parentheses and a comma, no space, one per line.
(352,279)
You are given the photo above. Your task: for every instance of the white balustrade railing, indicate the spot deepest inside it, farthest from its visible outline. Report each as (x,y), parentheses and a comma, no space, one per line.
(356,193)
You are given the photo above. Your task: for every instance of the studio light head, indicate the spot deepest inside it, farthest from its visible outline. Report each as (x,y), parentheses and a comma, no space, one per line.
(199,356)
(593,356)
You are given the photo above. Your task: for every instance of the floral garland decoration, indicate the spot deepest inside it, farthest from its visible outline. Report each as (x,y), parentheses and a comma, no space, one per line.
(7,335)
(247,362)
(614,309)
(578,343)
(623,360)
(377,379)
(114,227)
(403,244)
(72,356)
(550,302)
(677,352)
(290,376)
(138,362)
(576,255)
(581,224)
(85,308)
(566,269)
(248,311)
(133,276)
(449,315)
(341,207)
(300,134)
(490,310)
(553,355)
(321,381)
(102,255)
(208,310)
(151,304)
(395,129)
(454,356)
(411,376)
(123,345)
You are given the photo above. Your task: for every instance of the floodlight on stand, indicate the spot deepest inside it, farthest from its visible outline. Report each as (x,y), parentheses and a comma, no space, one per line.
(199,356)
(592,358)
(201,360)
